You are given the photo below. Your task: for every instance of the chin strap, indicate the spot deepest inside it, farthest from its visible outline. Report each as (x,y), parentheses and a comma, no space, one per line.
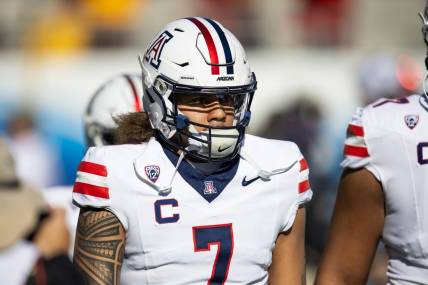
(264,174)
(164,191)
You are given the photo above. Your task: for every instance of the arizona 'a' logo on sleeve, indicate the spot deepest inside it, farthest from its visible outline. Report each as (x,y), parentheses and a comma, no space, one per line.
(153,55)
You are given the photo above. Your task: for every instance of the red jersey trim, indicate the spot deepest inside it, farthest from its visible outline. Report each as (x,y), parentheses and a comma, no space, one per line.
(303,164)
(91,190)
(355,130)
(356,151)
(92,168)
(304,186)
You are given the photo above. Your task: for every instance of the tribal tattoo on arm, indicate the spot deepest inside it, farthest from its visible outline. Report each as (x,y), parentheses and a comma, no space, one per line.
(99,247)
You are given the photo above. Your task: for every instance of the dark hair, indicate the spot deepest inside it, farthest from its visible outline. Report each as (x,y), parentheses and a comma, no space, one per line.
(133,128)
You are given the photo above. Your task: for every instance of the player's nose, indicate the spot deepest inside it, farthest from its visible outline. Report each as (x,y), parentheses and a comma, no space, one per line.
(216,115)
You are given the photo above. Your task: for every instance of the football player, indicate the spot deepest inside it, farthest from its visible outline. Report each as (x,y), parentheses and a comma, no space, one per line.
(117,96)
(382,194)
(198,201)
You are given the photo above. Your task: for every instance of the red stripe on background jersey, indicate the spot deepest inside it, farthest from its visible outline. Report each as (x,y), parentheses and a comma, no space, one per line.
(356,151)
(91,190)
(304,186)
(134,92)
(93,168)
(355,130)
(303,164)
(215,69)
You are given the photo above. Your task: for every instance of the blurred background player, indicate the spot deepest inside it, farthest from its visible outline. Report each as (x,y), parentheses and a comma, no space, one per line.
(152,212)
(119,95)
(33,248)
(30,148)
(304,121)
(382,193)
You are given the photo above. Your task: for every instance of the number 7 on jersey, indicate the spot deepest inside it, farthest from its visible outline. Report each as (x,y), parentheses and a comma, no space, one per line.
(222,236)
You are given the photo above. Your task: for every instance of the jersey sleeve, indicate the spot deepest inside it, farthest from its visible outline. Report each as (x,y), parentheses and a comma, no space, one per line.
(304,186)
(91,188)
(304,192)
(356,149)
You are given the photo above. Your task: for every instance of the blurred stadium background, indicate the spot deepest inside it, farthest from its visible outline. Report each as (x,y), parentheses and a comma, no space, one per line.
(315,60)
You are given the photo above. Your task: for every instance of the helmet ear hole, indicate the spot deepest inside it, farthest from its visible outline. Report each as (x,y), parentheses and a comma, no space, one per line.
(155,115)
(157,119)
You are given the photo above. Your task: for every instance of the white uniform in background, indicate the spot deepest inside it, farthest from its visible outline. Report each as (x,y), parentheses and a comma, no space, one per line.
(220,227)
(390,139)
(60,196)
(36,161)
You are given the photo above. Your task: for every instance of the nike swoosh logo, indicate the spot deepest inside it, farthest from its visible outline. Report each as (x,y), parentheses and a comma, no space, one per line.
(223,149)
(248,182)
(274,172)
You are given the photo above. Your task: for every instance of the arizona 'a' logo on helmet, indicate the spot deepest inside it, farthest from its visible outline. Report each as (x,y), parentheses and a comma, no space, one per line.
(154,52)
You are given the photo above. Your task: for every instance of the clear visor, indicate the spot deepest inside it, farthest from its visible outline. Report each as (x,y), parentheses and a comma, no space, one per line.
(232,105)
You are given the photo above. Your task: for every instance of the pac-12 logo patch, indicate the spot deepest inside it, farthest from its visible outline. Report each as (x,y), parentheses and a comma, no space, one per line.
(209,188)
(154,52)
(411,120)
(152,172)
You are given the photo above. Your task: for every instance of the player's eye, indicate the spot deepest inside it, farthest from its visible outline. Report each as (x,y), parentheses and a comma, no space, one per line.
(197,101)
(194,100)
(206,101)
(225,100)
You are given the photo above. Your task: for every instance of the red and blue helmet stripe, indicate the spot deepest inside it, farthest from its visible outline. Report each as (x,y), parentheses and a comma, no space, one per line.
(212,50)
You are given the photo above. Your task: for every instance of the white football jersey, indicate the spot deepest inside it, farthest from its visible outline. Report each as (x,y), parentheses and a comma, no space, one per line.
(390,139)
(215,229)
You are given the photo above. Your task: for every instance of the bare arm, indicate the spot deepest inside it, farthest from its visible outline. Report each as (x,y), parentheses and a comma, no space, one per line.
(99,247)
(355,230)
(288,260)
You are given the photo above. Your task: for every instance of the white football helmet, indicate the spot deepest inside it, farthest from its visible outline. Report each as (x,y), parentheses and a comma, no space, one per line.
(119,95)
(197,56)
